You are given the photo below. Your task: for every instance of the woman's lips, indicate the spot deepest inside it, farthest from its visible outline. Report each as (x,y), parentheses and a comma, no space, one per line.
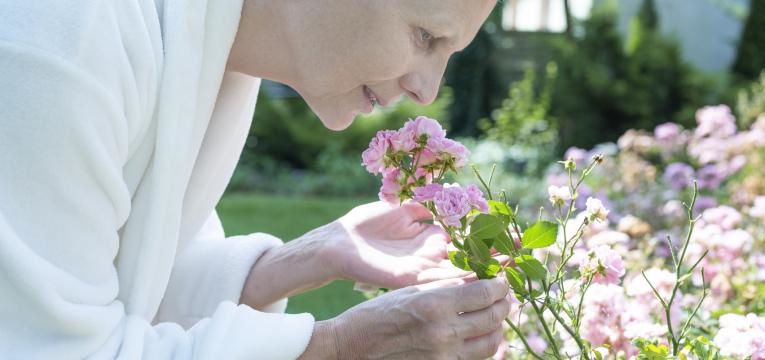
(373,98)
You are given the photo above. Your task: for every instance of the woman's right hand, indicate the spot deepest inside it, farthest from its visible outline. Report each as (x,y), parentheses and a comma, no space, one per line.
(448,319)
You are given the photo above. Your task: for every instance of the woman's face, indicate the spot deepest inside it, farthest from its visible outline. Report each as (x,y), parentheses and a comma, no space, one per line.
(353,53)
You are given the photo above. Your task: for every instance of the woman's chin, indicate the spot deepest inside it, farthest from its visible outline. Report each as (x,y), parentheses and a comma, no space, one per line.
(338,122)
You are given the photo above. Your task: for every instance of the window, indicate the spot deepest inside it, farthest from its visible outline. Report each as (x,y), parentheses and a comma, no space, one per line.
(541,15)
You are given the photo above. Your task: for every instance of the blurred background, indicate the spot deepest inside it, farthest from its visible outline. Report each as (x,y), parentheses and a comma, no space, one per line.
(542,76)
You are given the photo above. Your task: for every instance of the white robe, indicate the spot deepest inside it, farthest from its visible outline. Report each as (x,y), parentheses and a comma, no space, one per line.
(113,155)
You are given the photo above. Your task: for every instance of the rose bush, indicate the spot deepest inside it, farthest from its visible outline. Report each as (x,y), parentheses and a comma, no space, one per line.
(617,266)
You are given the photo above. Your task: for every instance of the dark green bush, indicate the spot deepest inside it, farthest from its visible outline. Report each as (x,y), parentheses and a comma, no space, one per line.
(605,87)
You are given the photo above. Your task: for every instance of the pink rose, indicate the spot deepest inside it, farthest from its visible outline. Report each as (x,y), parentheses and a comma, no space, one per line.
(604,265)
(427,193)
(452,204)
(402,141)
(423,125)
(446,150)
(373,158)
(717,121)
(391,187)
(477,200)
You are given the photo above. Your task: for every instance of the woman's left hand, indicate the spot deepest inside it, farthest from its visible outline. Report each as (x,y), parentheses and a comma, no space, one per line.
(391,246)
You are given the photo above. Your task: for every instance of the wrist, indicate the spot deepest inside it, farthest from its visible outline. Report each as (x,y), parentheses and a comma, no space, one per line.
(295,267)
(323,343)
(333,254)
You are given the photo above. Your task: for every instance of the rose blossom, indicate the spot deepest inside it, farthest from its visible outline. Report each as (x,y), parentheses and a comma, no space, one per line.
(452,204)
(373,158)
(477,201)
(667,131)
(559,194)
(446,150)
(452,201)
(603,264)
(741,336)
(391,187)
(423,125)
(596,210)
(717,121)
(427,193)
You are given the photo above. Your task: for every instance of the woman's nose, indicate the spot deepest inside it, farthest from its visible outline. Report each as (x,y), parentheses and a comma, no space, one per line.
(422,85)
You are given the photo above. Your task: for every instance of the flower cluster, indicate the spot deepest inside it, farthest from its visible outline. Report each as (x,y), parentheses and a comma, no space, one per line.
(412,157)
(742,336)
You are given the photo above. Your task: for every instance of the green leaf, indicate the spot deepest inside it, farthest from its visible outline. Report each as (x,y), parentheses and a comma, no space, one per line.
(531,267)
(478,250)
(459,259)
(500,210)
(503,244)
(540,235)
(516,280)
(486,226)
(485,270)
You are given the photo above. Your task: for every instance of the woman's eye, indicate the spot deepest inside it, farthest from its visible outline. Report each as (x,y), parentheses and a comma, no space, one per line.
(425,38)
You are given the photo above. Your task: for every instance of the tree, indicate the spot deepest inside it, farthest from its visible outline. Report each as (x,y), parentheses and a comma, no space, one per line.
(750,58)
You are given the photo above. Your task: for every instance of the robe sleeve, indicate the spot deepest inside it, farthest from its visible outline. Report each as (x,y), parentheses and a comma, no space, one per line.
(62,201)
(213,269)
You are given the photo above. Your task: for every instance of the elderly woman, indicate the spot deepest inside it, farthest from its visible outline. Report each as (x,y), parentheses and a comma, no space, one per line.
(122,122)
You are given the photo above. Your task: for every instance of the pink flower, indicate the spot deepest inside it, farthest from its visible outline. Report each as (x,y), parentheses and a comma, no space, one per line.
(391,187)
(427,193)
(726,217)
(446,150)
(604,265)
(596,210)
(422,125)
(758,208)
(667,131)
(477,200)
(452,204)
(373,158)
(741,336)
(717,121)
(402,141)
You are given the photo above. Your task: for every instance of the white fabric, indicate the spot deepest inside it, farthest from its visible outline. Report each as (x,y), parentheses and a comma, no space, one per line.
(113,154)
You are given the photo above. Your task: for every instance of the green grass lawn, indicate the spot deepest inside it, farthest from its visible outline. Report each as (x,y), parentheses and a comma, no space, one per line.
(288,218)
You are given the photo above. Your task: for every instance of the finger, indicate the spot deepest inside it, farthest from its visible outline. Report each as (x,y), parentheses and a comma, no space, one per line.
(417,211)
(484,321)
(441,284)
(480,294)
(436,274)
(483,347)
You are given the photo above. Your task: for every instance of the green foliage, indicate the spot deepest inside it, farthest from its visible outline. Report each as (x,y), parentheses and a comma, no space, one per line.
(605,87)
(750,56)
(751,102)
(531,267)
(524,121)
(540,235)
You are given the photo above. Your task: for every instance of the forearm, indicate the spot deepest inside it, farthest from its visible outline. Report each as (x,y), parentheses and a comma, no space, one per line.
(296,267)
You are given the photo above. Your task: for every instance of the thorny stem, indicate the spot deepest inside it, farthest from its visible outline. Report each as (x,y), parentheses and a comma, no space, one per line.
(523,340)
(546,329)
(568,329)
